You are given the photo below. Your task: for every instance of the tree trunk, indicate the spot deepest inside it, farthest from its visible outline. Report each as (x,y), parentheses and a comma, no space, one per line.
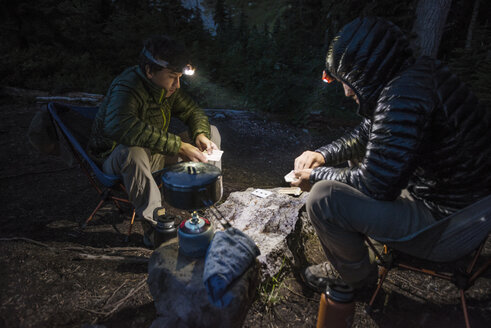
(475,11)
(431,16)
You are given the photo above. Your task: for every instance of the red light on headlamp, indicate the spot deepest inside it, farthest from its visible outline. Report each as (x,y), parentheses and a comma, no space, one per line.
(326,77)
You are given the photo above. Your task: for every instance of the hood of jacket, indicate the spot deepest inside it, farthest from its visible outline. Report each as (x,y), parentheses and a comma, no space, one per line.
(366,54)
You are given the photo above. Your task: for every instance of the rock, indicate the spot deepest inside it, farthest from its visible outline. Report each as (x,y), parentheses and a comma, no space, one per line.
(229,113)
(268,221)
(219,115)
(176,285)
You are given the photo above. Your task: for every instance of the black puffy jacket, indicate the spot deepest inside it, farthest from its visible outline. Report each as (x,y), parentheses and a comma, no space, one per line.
(422,128)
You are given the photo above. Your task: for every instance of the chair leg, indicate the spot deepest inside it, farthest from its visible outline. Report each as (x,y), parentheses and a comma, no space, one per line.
(131,223)
(94,212)
(117,201)
(383,274)
(104,195)
(117,205)
(464,308)
(480,271)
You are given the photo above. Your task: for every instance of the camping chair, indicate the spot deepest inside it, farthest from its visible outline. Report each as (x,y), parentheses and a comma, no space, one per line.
(456,241)
(74,123)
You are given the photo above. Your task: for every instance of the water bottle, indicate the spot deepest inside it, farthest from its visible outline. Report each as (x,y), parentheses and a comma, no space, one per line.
(337,307)
(165,228)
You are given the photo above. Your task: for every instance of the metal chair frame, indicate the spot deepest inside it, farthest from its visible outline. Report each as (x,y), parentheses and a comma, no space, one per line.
(108,184)
(463,279)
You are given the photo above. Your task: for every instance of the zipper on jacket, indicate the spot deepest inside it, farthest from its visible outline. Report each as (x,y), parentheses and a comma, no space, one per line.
(161,105)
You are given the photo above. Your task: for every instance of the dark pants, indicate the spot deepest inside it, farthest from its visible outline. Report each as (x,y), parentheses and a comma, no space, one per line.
(342,216)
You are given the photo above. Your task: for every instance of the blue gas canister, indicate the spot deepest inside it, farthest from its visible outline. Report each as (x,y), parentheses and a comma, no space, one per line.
(195,235)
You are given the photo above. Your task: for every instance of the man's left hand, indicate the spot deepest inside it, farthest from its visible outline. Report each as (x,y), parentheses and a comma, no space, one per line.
(203,143)
(303,181)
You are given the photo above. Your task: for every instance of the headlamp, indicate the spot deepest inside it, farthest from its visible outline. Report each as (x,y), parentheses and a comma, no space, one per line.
(326,77)
(186,70)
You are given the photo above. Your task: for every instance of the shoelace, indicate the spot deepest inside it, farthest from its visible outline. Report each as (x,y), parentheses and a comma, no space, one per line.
(330,271)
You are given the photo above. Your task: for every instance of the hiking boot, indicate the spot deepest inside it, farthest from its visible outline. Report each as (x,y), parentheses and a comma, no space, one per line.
(147,240)
(148,231)
(318,276)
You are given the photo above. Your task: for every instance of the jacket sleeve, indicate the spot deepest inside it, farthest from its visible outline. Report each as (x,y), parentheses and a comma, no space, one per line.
(394,140)
(188,112)
(350,146)
(122,124)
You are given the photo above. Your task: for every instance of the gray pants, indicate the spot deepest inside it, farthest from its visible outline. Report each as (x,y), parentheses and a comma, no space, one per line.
(136,164)
(342,216)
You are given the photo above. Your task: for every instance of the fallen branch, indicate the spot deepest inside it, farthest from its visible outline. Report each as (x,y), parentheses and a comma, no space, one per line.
(127,259)
(411,292)
(17,92)
(93,100)
(79,248)
(91,311)
(28,240)
(132,292)
(44,97)
(108,249)
(116,305)
(300,295)
(114,293)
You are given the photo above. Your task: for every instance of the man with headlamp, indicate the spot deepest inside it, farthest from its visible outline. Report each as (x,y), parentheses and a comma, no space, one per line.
(130,134)
(420,153)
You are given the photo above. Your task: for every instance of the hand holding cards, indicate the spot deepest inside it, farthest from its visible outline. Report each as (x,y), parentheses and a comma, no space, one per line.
(215,156)
(290,177)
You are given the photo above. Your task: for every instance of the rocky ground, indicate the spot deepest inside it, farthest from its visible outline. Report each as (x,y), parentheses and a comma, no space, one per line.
(48,279)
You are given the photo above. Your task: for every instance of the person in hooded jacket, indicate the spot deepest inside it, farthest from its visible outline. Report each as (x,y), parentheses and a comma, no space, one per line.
(130,135)
(422,151)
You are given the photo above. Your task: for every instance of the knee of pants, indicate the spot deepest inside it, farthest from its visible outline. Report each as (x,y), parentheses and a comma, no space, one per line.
(215,136)
(137,156)
(321,200)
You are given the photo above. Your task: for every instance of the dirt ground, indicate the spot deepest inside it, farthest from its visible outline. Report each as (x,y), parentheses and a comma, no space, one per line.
(46,279)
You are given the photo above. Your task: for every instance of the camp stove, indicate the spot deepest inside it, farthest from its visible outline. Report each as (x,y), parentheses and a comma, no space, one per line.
(194,186)
(195,234)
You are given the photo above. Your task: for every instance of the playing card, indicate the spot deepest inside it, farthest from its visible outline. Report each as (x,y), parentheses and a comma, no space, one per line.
(295,191)
(261,193)
(215,156)
(290,177)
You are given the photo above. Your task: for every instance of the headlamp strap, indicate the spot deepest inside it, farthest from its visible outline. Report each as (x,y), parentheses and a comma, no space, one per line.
(159,62)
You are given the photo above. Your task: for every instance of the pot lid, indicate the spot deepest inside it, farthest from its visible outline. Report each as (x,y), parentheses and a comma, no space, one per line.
(190,174)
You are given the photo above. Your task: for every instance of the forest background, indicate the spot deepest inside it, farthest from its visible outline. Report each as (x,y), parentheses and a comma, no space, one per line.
(263,56)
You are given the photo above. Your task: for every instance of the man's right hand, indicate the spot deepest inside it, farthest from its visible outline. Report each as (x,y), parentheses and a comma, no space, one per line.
(309,160)
(190,153)
(303,179)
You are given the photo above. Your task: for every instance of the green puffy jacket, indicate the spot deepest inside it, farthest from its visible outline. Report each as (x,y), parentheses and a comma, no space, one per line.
(135,112)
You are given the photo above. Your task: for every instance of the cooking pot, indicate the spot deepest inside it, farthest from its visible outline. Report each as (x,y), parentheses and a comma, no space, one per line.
(192,185)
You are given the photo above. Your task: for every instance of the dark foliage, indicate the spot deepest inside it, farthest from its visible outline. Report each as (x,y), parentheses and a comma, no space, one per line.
(264,56)
(473,64)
